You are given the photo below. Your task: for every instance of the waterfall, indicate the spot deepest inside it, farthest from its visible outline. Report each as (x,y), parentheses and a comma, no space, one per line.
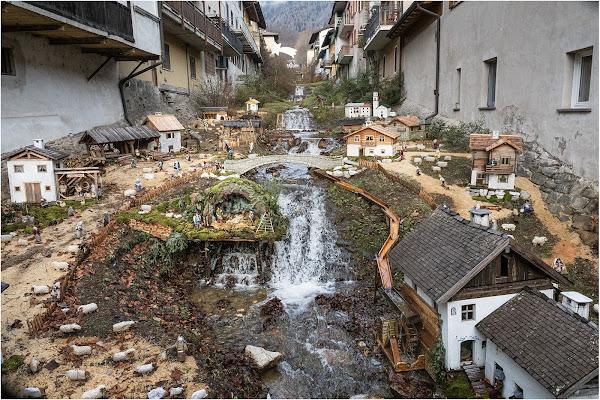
(299,119)
(239,263)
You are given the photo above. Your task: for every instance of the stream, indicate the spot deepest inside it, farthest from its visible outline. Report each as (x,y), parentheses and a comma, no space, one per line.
(320,358)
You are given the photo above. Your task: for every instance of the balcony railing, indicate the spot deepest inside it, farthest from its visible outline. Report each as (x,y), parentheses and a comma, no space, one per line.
(501,168)
(345,54)
(381,16)
(195,17)
(232,38)
(109,16)
(242,31)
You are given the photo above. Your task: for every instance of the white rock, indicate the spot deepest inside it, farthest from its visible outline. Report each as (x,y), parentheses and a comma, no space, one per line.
(191,169)
(73,249)
(539,240)
(169,215)
(430,159)
(77,374)
(177,215)
(442,164)
(525,195)
(221,178)
(499,194)
(595,308)
(483,192)
(98,393)
(489,196)
(147,170)
(200,394)
(447,158)
(346,161)
(263,359)
(68,328)
(13,234)
(338,174)
(144,369)
(157,393)
(253,155)
(123,326)
(88,308)
(34,365)
(205,175)
(423,155)
(41,289)
(417,160)
(142,212)
(149,176)
(510,236)
(32,393)
(436,169)
(421,147)
(60,265)
(212,175)
(352,172)
(386,160)
(146,207)
(81,350)
(22,242)
(129,192)
(337,168)
(329,172)
(124,355)
(509,227)
(175,391)
(346,174)
(6,238)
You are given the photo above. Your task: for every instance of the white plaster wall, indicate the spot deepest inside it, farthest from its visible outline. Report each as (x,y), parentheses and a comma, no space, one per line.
(352,150)
(457,331)
(50,96)
(513,373)
(531,41)
(175,142)
(494,184)
(365,111)
(30,175)
(146,31)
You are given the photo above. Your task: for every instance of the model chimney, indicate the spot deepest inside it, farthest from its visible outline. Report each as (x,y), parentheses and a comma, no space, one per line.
(480,216)
(577,303)
(39,143)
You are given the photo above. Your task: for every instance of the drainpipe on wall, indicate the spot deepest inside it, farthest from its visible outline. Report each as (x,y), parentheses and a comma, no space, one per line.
(123,81)
(437,63)
(187,66)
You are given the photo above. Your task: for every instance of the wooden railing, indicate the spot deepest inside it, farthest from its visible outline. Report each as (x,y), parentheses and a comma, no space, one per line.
(500,168)
(195,17)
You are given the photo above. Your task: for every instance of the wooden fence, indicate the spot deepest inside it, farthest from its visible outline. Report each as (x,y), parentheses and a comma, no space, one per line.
(413,187)
(36,323)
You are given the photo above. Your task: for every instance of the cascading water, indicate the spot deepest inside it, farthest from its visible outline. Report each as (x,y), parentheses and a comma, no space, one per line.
(299,119)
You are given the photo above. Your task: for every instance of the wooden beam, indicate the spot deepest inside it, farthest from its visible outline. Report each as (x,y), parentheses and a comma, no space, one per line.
(106,50)
(33,28)
(136,58)
(85,40)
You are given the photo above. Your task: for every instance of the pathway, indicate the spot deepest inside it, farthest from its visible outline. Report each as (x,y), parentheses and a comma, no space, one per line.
(476,378)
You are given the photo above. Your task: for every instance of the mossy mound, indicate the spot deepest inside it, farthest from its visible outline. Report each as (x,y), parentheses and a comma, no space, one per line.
(11,364)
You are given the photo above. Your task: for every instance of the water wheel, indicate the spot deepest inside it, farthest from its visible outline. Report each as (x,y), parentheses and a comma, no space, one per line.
(409,338)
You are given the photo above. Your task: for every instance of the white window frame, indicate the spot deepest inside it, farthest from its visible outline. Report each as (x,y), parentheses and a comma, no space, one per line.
(357,138)
(575,103)
(370,138)
(22,167)
(42,168)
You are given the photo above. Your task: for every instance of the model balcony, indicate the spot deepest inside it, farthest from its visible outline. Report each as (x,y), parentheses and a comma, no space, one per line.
(232,45)
(500,169)
(187,22)
(345,55)
(381,21)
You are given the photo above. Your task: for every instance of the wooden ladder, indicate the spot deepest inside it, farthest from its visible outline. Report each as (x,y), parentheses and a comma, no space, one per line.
(265,224)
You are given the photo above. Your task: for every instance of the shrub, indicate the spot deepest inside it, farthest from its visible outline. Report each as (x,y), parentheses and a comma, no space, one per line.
(456,137)
(176,243)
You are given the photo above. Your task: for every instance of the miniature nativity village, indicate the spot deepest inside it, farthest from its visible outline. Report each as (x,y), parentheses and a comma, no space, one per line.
(191,210)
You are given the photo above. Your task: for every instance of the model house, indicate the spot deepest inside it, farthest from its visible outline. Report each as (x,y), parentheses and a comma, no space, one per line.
(351,124)
(215,113)
(102,143)
(170,130)
(408,127)
(494,160)
(365,110)
(543,349)
(463,271)
(31,173)
(352,110)
(372,140)
(252,106)
(382,111)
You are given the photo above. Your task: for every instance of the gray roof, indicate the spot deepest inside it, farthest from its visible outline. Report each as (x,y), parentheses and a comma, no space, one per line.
(555,346)
(112,135)
(255,123)
(354,104)
(45,152)
(350,121)
(444,249)
(215,108)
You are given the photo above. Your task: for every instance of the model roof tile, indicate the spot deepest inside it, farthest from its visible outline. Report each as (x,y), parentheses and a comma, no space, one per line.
(378,129)
(479,141)
(555,346)
(408,120)
(113,135)
(165,122)
(45,152)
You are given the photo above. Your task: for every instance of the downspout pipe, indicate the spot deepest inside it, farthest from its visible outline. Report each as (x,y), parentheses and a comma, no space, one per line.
(437,62)
(123,81)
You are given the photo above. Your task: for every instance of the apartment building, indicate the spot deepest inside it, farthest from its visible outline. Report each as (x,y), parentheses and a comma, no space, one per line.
(60,64)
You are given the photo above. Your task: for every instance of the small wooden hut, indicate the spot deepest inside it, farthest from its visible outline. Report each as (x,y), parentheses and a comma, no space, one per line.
(101,143)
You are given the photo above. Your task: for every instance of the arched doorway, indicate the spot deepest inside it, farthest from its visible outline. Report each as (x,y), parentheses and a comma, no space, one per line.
(466,351)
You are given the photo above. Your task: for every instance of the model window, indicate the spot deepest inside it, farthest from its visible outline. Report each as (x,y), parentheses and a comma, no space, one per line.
(468,312)
(17,188)
(47,188)
(170,135)
(491,93)
(371,151)
(369,138)
(8,61)
(503,179)
(503,271)
(505,160)
(41,168)
(167,58)
(383,73)
(19,168)
(382,151)
(582,74)
(357,138)
(382,138)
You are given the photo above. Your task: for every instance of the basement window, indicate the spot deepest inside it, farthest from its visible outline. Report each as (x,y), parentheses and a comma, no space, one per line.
(8,61)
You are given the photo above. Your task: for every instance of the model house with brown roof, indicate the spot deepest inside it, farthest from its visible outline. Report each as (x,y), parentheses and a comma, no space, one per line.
(494,159)
(170,130)
(544,350)
(407,126)
(456,272)
(372,140)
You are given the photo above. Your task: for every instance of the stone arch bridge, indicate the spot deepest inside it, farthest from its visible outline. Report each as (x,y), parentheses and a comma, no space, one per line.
(315,161)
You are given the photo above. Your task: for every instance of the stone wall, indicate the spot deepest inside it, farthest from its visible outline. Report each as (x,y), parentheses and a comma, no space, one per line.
(160,231)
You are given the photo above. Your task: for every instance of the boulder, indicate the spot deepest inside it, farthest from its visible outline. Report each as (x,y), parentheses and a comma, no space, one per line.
(346,174)
(583,222)
(130,192)
(81,350)
(5,238)
(41,289)
(436,169)
(149,176)
(417,160)
(61,265)
(98,393)
(447,158)
(124,355)
(204,175)
(146,207)
(73,249)
(387,160)
(200,394)
(338,174)
(77,374)
(88,308)
(34,365)
(424,155)
(145,369)
(175,391)
(123,326)
(157,393)
(339,167)
(212,175)
(263,359)
(429,159)
(352,172)
(32,393)
(22,242)
(442,164)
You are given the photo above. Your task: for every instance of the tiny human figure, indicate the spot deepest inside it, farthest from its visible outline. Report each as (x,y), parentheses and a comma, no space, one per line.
(189,158)
(204,166)
(79,230)
(181,347)
(527,207)
(176,166)
(437,153)
(216,148)
(219,213)
(70,212)
(251,217)
(493,162)
(131,202)
(132,162)
(230,154)
(443,181)
(78,190)
(44,203)
(37,234)
(138,185)
(435,144)
(251,147)
(100,193)
(160,165)
(205,126)
(418,171)
(515,215)
(106,218)
(93,190)
(197,220)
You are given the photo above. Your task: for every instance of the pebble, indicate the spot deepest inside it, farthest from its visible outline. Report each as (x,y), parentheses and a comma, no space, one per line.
(32,393)
(240,310)
(175,391)
(110,372)
(239,315)
(375,362)
(157,393)
(362,344)
(200,394)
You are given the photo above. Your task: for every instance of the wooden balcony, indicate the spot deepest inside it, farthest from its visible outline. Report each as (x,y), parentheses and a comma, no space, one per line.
(500,169)
(193,25)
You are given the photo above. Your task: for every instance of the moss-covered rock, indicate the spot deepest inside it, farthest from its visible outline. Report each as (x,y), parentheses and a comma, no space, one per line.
(11,364)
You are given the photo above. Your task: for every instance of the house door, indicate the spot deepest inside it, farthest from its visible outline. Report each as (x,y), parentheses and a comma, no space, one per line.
(466,351)
(361,152)
(33,193)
